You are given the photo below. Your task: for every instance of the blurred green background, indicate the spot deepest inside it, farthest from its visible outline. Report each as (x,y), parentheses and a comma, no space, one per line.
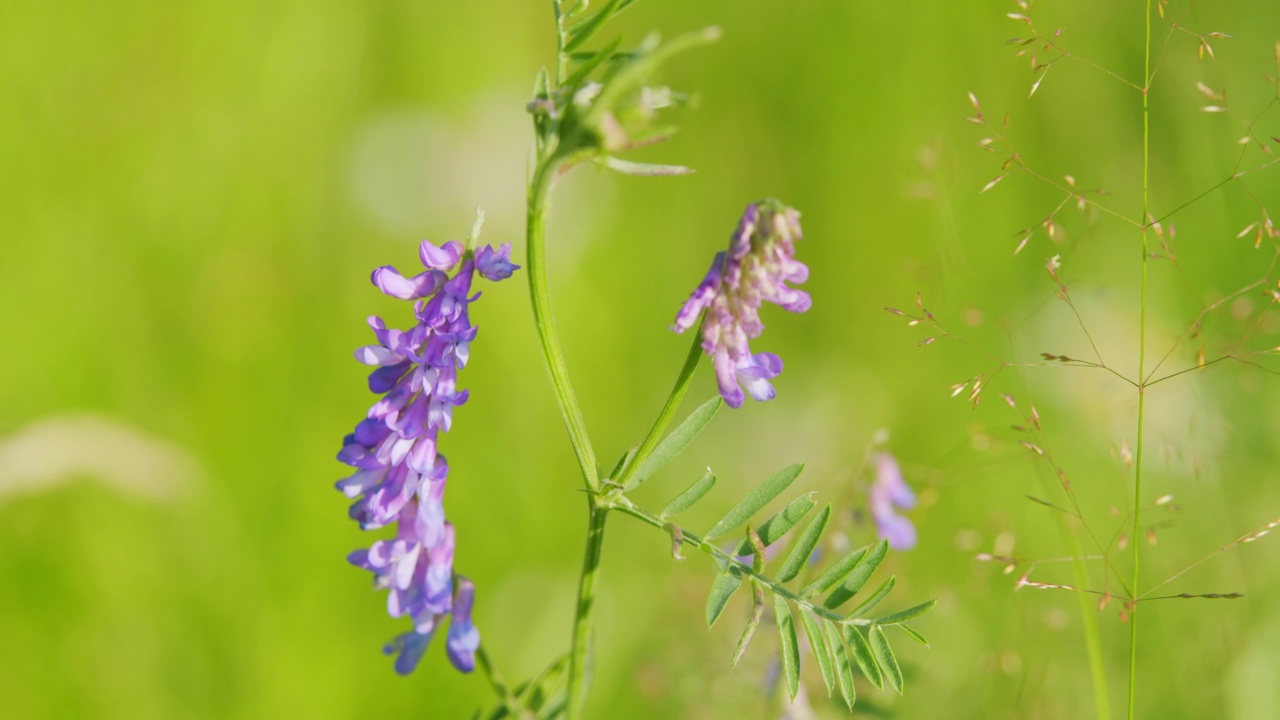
(193,195)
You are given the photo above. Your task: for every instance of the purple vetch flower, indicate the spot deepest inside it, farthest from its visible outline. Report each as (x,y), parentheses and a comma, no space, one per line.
(400,475)
(757,267)
(888,494)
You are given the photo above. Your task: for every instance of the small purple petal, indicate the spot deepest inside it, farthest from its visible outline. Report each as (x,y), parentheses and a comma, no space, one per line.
(701,297)
(440,258)
(377,355)
(410,647)
(391,282)
(464,638)
(495,265)
(727,379)
(385,378)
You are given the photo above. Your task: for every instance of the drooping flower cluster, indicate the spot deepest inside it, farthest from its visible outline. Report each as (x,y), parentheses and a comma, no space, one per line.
(400,475)
(889,493)
(757,266)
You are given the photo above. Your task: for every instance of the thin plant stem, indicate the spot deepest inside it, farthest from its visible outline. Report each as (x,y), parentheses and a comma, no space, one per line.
(1142,360)
(539,196)
(1092,639)
(544,324)
(584,615)
(668,410)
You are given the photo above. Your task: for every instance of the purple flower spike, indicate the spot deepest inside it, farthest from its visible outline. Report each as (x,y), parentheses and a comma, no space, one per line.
(399,476)
(888,494)
(756,268)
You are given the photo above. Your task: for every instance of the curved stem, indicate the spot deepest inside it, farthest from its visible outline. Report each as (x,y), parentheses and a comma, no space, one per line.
(668,410)
(544,324)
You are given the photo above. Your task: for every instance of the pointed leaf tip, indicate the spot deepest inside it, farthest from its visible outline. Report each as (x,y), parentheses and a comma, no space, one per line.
(721,590)
(675,442)
(755,500)
(844,670)
(863,656)
(774,528)
(790,645)
(818,644)
(690,496)
(803,549)
(910,613)
(885,657)
(858,576)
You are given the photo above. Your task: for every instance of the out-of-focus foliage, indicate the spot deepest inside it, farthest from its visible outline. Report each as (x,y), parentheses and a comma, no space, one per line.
(193,193)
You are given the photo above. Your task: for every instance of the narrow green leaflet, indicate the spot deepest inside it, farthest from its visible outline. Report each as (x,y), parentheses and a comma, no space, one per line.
(835,573)
(544,695)
(911,633)
(884,655)
(693,494)
(623,461)
(760,496)
(858,577)
(626,167)
(772,530)
(676,441)
(843,670)
(790,645)
(541,123)
(757,612)
(818,644)
(541,84)
(874,598)
(582,32)
(721,590)
(909,614)
(803,549)
(627,77)
(862,655)
(592,63)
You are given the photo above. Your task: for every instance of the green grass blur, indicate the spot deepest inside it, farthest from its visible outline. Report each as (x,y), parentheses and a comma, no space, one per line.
(192,197)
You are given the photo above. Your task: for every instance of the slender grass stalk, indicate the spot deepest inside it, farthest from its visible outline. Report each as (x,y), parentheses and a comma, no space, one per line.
(1092,638)
(1142,361)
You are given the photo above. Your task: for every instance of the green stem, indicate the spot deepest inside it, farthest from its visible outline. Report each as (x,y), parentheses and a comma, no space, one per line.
(1142,361)
(584,617)
(544,324)
(668,410)
(509,700)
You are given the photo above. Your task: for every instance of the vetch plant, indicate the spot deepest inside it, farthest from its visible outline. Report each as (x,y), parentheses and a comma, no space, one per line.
(594,106)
